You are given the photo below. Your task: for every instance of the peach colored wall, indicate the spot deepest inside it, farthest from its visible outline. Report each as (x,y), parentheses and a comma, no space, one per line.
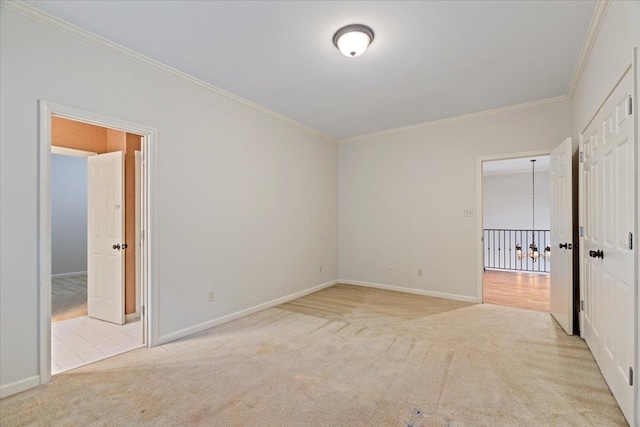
(116,140)
(81,136)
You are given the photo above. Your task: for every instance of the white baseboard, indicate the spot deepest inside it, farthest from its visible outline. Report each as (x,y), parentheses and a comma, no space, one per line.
(410,290)
(131,317)
(77,273)
(19,386)
(230,317)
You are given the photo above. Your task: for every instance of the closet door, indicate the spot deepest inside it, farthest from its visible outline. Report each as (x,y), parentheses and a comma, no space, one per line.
(607,209)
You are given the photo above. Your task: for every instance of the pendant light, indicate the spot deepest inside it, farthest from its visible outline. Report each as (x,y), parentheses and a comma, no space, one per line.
(533,253)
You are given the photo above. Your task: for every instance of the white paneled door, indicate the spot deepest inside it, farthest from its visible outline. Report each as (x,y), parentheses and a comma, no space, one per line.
(561,236)
(105,275)
(606,253)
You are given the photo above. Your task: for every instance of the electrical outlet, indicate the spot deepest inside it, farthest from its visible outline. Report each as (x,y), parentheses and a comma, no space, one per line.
(420,272)
(390,269)
(320,269)
(212,296)
(468,212)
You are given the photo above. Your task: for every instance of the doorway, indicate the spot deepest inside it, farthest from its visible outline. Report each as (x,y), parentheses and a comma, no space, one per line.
(517,232)
(92,161)
(91,300)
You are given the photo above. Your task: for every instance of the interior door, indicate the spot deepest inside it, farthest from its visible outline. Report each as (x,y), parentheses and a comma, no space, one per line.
(561,236)
(105,261)
(606,254)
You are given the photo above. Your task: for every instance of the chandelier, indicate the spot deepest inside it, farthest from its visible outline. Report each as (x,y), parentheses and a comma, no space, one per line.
(533,253)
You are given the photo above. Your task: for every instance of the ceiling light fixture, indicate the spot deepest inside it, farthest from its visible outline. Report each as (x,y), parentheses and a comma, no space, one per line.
(353,40)
(533,248)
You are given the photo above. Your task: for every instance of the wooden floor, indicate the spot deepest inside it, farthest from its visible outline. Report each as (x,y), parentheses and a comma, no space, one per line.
(517,289)
(68,297)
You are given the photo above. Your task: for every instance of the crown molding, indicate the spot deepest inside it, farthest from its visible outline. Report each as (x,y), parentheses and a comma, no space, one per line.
(82,34)
(464,117)
(589,41)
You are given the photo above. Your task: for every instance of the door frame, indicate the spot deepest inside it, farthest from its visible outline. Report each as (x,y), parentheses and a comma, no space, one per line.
(480,207)
(636,118)
(149,220)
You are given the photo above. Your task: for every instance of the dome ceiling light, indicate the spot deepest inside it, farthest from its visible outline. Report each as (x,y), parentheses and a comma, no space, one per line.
(353,40)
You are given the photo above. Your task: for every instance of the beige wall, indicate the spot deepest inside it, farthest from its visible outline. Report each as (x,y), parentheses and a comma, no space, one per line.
(258,193)
(403,194)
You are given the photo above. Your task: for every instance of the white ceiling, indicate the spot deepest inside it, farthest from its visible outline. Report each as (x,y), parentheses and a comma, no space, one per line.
(502,167)
(429,60)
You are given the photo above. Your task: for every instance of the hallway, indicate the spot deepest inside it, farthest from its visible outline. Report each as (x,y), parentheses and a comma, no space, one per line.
(517,289)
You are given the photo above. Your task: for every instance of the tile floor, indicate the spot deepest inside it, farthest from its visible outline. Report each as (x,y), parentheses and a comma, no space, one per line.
(80,341)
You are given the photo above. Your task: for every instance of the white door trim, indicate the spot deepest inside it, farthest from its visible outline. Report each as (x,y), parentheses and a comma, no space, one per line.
(71,152)
(138,241)
(149,220)
(480,206)
(636,119)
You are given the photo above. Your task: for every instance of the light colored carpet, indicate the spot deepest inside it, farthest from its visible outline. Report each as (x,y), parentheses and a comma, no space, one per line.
(344,356)
(68,297)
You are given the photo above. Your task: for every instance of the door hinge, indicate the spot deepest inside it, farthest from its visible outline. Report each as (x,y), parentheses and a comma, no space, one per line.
(582,157)
(141,234)
(630,375)
(630,105)
(581,305)
(630,240)
(142,310)
(581,231)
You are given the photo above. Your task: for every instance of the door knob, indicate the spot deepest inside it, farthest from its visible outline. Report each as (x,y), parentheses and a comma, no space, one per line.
(116,246)
(597,254)
(125,246)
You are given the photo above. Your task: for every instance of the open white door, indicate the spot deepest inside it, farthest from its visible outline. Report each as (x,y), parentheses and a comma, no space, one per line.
(561,237)
(105,215)
(606,242)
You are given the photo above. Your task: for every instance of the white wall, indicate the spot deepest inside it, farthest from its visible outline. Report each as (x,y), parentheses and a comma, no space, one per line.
(507,201)
(68,214)
(247,201)
(403,196)
(610,56)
